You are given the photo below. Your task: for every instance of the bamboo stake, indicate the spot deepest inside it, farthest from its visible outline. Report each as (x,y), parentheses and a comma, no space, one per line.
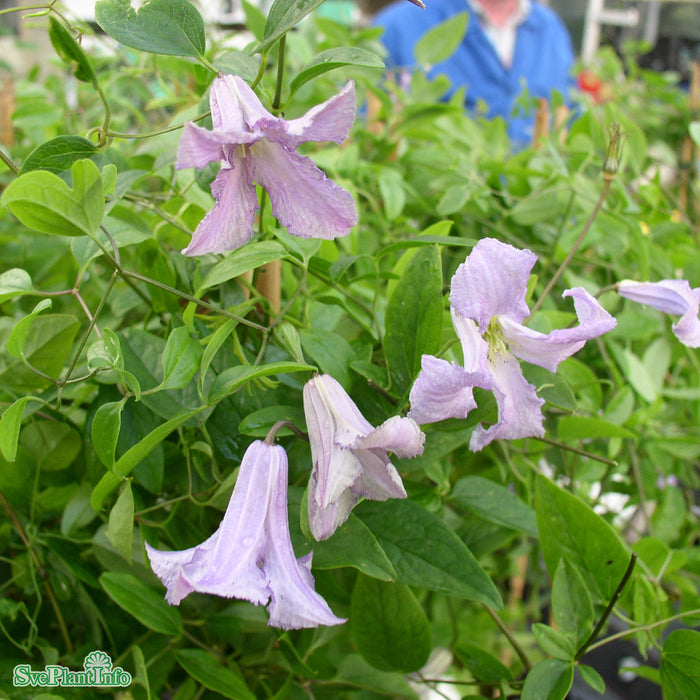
(541,123)
(269,284)
(7,107)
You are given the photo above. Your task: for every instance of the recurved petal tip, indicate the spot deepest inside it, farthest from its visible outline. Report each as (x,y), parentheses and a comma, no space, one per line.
(418,3)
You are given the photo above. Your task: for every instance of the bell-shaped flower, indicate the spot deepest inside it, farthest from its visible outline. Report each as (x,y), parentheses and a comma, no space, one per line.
(488,307)
(350,459)
(250,556)
(675,297)
(255,146)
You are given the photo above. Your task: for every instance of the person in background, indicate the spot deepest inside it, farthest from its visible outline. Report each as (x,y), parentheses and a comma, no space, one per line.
(509,45)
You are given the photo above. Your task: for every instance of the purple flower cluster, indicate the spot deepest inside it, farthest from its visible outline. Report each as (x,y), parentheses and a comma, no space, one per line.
(488,307)
(250,556)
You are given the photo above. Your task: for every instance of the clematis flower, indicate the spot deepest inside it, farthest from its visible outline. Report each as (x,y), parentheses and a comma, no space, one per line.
(488,307)
(350,459)
(675,297)
(255,146)
(250,556)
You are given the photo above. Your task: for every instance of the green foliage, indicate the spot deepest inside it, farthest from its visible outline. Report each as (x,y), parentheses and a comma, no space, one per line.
(133,378)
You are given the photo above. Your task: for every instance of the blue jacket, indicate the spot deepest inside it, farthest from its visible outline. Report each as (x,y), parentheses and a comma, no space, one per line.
(543,57)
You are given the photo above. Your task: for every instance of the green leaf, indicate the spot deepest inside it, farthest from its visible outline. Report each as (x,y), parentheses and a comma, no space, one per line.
(553,388)
(334,58)
(131,458)
(235,377)
(240,261)
(352,544)
(483,666)
(181,359)
(238,63)
(15,283)
(120,526)
(440,42)
(495,504)
(579,427)
(70,51)
(141,675)
(391,188)
(317,342)
(356,672)
(570,530)
(254,20)
(548,680)
(553,642)
(680,665)
(54,444)
(210,672)
(214,343)
(389,625)
(592,677)
(258,423)
(414,315)
(171,27)
(58,154)
(10,425)
(145,605)
(47,346)
(44,202)
(18,337)
(695,132)
(541,205)
(77,513)
(106,424)
(425,552)
(282,16)
(572,606)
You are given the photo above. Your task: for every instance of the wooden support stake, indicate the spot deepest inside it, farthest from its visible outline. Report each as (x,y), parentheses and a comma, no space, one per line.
(541,123)
(7,108)
(269,284)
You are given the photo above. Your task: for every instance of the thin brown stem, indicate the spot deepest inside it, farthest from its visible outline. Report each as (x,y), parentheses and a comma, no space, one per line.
(509,636)
(609,608)
(607,182)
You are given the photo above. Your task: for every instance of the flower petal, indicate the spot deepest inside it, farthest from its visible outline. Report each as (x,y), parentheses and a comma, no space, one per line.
(304,200)
(519,407)
(670,296)
(325,520)
(198,147)
(442,390)
(492,281)
(329,121)
(379,479)
(294,603)
(398,435)
(234,105)
(334,423)
(226,564)
(549,350)
(229,224)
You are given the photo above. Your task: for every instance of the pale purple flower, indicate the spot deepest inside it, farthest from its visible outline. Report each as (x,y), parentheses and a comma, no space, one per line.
(250,556)
(675,297)
(488,307)
(255,146)
(350,459)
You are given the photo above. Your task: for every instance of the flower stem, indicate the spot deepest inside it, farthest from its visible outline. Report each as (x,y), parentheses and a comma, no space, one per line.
(642,628)
(272,434)
(509,635)
(606,613)
(578,451)
(574,249)
(277,100)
